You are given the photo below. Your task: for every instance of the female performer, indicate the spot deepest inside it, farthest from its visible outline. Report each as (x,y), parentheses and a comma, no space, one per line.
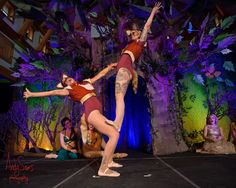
(124,67)
(84,92)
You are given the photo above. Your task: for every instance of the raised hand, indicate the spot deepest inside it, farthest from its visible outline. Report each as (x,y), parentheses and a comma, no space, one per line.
(156,8)
(148,24)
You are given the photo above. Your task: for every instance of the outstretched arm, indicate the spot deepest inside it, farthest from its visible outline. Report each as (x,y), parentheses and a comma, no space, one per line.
(62,92)
(148,24)
(103,72)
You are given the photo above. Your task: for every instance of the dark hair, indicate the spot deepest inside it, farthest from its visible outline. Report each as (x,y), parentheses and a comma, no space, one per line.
(133,25)
(63,82)
(64,120)
(72,134)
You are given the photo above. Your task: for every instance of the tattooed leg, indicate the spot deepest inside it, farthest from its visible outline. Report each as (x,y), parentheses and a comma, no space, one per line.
(122,81)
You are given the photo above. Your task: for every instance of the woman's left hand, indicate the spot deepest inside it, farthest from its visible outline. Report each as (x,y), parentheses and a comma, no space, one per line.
(112,66)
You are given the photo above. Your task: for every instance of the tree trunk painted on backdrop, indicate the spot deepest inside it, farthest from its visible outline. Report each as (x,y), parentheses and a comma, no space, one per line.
(18,115)
(166,134)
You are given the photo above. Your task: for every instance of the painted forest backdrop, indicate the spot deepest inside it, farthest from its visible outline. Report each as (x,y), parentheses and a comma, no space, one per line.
(187,67)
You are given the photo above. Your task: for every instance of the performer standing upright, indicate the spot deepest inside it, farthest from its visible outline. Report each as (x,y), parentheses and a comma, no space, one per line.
(124,67)
(84,92)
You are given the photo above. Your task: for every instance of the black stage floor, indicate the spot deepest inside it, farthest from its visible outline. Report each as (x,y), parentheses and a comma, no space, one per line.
(139,171)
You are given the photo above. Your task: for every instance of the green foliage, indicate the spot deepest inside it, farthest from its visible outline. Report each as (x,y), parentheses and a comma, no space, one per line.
(39,65)
(221,37)
(205,104)
(189,137)
(192,97)
(184,96)
(212,30)
(229,66)
(66,26)
(183,55)
(56,51)
(227,22)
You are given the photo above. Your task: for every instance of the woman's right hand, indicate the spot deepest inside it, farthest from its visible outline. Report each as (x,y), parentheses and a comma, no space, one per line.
(27,94)
(156,8)
(73,151)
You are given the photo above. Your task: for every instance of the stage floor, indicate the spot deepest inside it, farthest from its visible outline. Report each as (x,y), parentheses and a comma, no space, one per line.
(139,171)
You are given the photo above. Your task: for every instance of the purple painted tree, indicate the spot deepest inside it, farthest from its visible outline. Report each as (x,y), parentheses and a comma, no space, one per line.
(173,54)
(176,47)
(18,115)
(48,116)
(5,132)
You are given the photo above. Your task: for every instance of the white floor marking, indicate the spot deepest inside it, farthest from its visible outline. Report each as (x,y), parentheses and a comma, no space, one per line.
(69,177)
(179,173)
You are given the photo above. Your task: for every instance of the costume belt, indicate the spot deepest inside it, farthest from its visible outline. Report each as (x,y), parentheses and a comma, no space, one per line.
(130,54)
(86,97)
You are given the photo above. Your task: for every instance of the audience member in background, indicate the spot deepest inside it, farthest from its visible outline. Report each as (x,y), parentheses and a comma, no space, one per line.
(69,141)
(214,138)
(233,132)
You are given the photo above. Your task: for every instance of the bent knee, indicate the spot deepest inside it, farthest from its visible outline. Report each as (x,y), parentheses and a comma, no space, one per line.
(114,134)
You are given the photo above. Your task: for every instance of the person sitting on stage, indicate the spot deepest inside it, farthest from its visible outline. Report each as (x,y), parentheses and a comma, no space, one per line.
(233,132)
(214,138)
(93,142)
(84,93)
(69,141)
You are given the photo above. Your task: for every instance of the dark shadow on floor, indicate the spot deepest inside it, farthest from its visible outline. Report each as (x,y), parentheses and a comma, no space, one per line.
(140,170)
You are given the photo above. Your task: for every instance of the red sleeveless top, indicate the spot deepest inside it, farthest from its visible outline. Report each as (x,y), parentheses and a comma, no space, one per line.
(79,90)
(136,49)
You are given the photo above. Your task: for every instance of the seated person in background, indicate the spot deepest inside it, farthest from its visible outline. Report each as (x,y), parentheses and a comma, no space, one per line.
(214,138)
(233,132)
(69,141)
(93,142)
